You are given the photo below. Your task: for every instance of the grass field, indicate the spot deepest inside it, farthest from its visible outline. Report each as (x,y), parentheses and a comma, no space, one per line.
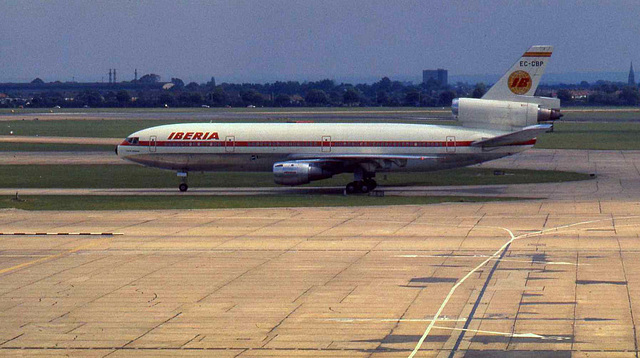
(89,202)
(133,176)
(592,135)
(601,114)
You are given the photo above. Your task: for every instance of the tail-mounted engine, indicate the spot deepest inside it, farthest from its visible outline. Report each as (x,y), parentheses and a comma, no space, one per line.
(505,115)
(298,173)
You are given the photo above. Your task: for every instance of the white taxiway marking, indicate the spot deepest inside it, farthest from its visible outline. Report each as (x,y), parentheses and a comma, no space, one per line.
(350,320)
(503,260)
(506,334)
(490,258)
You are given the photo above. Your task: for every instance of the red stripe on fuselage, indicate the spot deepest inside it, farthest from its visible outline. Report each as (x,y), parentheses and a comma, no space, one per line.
(335,144)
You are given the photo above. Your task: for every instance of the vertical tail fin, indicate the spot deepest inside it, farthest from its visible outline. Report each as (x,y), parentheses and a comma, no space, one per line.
(523,77)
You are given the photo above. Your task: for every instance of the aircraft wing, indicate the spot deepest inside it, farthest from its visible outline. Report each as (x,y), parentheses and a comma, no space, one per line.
(520,137)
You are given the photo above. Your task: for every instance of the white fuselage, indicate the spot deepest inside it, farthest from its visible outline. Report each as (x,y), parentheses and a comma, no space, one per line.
(257,146)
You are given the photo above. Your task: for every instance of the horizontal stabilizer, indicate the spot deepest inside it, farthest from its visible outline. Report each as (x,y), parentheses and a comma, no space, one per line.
(521,137)
(544,102)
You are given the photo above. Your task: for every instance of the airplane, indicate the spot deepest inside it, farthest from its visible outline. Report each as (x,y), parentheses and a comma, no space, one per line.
(505,121)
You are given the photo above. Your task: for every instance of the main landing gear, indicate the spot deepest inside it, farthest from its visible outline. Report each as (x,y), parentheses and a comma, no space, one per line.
(183,186)
(363,182)
(361,186)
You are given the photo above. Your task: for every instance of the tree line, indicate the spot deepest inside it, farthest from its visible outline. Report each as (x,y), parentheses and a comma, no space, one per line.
(325,93)
(601,93)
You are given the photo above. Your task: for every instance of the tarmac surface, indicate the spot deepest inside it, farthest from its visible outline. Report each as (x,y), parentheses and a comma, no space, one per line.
(558,277)
(513,279)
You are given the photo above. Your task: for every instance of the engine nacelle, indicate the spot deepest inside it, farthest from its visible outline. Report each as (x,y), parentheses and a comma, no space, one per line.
(298,173)
(502,115)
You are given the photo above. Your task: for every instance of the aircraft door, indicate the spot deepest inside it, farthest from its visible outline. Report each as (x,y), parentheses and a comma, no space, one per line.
(326,143)
(451,144)
(230,144)
(152,143)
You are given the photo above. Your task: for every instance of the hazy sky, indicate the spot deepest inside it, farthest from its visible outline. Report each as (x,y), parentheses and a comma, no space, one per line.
(267,40)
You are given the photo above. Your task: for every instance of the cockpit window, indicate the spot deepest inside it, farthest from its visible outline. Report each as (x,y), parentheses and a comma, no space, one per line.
(133,140)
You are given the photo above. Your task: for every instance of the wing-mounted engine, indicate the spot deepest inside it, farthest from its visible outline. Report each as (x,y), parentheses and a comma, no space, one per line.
(299,172)
(505,115)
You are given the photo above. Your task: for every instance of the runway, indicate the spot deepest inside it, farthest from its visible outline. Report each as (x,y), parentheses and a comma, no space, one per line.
(554,278)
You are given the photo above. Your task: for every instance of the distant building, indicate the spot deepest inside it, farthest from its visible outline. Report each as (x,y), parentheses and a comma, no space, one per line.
(580,95)
(632,78)
(440,75)
(5,99)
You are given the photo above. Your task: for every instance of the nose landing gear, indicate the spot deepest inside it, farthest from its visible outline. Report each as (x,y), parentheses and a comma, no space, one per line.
(183,186)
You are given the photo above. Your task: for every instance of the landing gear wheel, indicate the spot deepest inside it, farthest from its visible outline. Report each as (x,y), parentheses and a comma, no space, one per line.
(371,184)
(365,186)
(183,187)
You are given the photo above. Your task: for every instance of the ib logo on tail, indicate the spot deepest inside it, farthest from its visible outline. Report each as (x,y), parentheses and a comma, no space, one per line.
(519,82)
